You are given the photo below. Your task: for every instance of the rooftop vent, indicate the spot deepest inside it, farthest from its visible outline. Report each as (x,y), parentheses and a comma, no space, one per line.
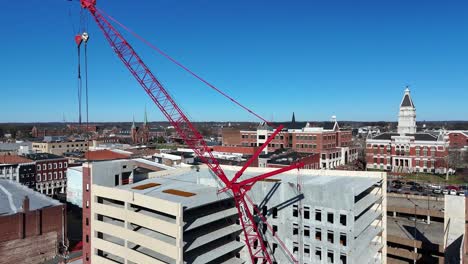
(146,186)
(178,192)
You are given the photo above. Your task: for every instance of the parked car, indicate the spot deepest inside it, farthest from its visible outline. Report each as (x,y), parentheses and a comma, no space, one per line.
(434,186)
(451,187)
(461,193)
(445,192)
(437,191)
(453,192)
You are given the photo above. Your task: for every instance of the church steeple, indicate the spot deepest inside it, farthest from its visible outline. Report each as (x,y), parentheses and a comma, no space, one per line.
(133,123)
(293,120)
(146,118)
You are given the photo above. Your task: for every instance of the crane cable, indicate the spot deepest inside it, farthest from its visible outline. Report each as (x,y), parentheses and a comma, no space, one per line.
(86,79)
(79,82)
(158,50)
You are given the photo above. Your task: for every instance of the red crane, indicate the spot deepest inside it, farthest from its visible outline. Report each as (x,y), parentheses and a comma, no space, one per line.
(193,138)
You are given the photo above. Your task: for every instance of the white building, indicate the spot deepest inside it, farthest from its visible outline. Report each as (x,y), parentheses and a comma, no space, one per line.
(407,115)
(178,217)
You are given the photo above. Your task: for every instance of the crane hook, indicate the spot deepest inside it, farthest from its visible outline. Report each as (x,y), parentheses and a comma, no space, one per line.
(85,37)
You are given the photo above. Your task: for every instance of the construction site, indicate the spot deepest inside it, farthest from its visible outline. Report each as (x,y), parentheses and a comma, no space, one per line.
(294,197)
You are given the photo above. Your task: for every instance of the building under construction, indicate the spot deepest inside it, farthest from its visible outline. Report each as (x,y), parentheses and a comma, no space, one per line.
(179,217)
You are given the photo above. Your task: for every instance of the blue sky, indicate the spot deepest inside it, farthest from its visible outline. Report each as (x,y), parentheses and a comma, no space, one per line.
(351,59)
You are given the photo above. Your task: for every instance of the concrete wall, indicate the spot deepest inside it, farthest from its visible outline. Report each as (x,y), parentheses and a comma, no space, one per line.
(454,228)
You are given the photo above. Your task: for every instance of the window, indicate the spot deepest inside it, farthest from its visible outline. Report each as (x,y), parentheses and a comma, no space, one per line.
(318,234)
(295,229)
(275,212)
(295,210)
(87,187)
(343,259)
(306,212)
(50,166)
(425,151)
(87,221)
(418,152)
(65,164)
(318,215)
(44,167)
(261,137)
(307,231)
(425,163)
(295,247)
(307,249)
(87,204)
(330,218)
(61,175)
(330,237)
(55,165)
(55,175)
(343,240)
(318,254)
(38,167)
(343,219)
(50,176)
(275,229)
(330,257)
(87,239)
(116,179)
(38,177)
(60,165)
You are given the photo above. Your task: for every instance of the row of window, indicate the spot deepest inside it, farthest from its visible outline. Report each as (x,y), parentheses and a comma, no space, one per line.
(318,215)
(52,165)
(318,254)
(72,145)
(331,155)
(318,235)
(308,146)
(43,177)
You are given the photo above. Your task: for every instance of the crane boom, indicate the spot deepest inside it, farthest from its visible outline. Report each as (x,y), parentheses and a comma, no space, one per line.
(187,131)
(159,95)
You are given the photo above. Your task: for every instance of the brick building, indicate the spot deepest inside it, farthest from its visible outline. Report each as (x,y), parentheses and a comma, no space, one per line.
(18,169)
(32,226)
(408,151)
(140,135)
(51,173)
(458,139)
(330,141)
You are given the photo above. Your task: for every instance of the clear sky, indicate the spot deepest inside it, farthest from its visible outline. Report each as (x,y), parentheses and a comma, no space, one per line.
(351,59)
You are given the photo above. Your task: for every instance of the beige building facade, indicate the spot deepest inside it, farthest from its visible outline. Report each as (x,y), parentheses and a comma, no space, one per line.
(59,148)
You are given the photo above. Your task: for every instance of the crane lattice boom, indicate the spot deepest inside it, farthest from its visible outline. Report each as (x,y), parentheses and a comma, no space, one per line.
(190,134)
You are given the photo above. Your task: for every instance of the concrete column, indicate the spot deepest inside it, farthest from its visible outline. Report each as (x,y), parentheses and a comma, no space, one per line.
(394,213)
(428,219)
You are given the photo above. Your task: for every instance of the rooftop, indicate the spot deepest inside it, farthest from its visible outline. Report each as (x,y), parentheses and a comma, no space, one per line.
(42,156)
(204,185)
(12,195)
(417,136)
(13,159)
(105,154)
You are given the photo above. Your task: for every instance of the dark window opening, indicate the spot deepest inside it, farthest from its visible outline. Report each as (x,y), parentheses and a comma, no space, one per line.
(295,211)
(318,215)
(275,213)
(343,240)
(343,220)
(330,218)
(330,237)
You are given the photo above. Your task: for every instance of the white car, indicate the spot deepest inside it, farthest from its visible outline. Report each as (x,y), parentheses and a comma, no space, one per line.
(445,192)
(433,186)
(437,191)
(461,193)
(453,192)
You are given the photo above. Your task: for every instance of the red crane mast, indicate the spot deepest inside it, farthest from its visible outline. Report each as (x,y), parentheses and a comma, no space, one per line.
(191,136)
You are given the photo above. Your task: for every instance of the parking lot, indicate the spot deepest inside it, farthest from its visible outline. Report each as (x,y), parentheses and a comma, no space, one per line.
(425,189)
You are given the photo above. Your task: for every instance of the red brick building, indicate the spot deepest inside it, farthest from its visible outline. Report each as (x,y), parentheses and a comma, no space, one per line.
(330,141)
(458,139)
(408,151)
(51,173)
(32,226)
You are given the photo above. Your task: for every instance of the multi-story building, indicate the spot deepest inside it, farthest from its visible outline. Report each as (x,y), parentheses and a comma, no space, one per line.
(179,217)
(51,173)
(408,151)
(330,141)
(32,226)
(458,139)
(60,147)
(19,169)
